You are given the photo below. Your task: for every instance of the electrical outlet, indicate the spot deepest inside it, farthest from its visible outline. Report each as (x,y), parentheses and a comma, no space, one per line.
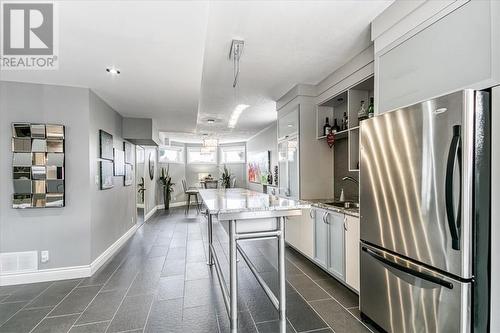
(44,256)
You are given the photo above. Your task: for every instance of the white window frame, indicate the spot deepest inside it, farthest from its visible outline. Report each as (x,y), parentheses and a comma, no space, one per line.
(178,149)
(198,149)
(232,148)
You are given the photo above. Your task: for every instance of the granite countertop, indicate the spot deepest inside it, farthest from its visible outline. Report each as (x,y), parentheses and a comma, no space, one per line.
(321,203)
(239,200)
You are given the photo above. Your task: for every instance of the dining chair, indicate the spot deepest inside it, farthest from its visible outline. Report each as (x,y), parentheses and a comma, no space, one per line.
(190,192)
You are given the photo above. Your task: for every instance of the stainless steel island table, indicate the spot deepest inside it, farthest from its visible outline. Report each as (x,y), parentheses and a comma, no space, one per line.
(250,215)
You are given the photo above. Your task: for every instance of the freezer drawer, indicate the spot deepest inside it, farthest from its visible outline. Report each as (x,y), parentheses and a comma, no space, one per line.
(401,296)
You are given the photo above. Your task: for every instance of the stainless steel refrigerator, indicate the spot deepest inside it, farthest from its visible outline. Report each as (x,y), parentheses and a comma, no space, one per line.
(425,216)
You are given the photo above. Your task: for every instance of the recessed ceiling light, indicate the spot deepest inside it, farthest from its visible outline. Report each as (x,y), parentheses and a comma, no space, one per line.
(236,114)
(210,121)
(113,70)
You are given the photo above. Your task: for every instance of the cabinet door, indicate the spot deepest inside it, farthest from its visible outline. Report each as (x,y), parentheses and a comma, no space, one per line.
(320,238)
(307,232)
(288,125)
(292,231)
(282,169)
(293,167)
(336,238)
(352,251)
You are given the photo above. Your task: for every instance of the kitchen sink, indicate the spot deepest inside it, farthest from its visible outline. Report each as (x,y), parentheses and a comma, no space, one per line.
(343,204)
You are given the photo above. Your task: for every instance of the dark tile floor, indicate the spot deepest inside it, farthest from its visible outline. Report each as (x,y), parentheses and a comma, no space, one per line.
(159,282)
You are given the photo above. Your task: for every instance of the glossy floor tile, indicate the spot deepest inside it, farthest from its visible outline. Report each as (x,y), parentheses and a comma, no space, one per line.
(159,282)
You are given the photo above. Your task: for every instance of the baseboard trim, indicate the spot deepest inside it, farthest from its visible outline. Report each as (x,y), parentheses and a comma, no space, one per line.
(110,251)
(71,272)
(172,205)
(151,213)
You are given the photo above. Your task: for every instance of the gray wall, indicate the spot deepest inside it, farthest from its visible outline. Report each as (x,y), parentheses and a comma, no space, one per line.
(265,140)
(113,210)
(65,232)
(341,169)
(92,219)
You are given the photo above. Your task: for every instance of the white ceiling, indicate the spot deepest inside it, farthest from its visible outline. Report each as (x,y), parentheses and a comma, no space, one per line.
(173,56)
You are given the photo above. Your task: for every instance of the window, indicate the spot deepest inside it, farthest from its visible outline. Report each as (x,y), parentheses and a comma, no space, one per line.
(232,154)
(201,155)
(171,154)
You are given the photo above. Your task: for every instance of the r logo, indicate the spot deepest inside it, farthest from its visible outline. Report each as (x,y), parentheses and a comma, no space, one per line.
(28,29)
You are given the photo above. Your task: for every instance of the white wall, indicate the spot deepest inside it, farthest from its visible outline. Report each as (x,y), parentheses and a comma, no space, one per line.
(263,141)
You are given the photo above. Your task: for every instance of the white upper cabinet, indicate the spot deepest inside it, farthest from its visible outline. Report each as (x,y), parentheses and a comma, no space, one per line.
(460,50)
(288,125)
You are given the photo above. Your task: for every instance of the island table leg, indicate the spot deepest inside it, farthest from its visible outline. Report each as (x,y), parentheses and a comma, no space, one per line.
(210,239)
(282,273)
(233,278)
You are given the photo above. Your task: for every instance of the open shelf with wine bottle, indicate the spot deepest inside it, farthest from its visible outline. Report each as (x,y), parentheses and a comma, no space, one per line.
(343,114)
(332,116)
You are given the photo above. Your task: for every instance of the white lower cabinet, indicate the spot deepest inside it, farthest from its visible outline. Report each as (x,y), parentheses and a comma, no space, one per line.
(336,262)
(336,245)
(299,232)
(352,251)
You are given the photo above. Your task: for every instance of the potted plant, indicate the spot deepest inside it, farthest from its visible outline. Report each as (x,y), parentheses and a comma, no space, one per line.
(168,186)
(141,189)
(225,177)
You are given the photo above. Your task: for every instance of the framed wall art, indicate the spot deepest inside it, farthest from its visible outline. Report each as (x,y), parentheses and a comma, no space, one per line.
(105,145)
(127,148)
(38,165)
(106,174)
(129,175)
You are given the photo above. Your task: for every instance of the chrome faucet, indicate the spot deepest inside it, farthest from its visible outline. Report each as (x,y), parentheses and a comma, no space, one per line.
(350,179)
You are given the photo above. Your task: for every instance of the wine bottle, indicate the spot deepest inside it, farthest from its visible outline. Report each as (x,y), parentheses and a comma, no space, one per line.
(345,122)
(335,127)
(326,128)
(370,108)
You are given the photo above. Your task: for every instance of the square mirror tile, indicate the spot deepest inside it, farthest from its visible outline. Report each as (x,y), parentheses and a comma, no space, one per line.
(21,145)
(38,200)
(55,146)
(39,159)
(21,201)
(21,172)
(55,159)
(38,173)
(55,131)
(21,131)
(21,159)
(22,186)
(38,131)
(54,172)
(39,145)
(54,200)
(38,186)
(55,186)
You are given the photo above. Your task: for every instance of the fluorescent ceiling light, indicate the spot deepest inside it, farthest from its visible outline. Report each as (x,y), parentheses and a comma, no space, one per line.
(236,114)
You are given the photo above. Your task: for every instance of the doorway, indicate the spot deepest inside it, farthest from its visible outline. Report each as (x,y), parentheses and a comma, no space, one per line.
(139,181)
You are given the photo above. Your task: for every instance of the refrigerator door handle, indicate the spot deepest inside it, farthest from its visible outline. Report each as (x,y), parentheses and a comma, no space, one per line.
(455,154)
(408,270)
